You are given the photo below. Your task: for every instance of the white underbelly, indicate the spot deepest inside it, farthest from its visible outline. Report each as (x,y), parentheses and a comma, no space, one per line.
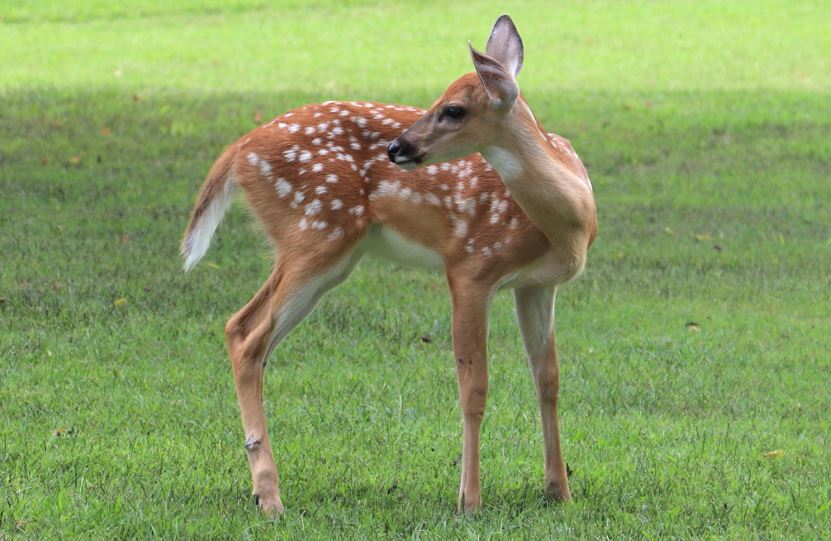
(387,243)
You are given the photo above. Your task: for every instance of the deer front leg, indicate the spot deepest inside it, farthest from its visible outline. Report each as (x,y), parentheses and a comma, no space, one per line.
(535,313)
(470,330)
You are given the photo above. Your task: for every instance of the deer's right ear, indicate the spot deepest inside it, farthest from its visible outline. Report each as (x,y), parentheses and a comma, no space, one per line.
(499,84)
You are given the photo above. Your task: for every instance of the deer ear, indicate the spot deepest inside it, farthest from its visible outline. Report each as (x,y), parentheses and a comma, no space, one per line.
(505,45)
(499,84)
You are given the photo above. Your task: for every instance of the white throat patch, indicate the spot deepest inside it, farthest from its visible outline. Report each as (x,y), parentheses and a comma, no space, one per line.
(505,163)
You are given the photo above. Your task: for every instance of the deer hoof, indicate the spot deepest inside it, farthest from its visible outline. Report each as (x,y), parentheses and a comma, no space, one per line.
(468,505)
(557,491)
(270,506)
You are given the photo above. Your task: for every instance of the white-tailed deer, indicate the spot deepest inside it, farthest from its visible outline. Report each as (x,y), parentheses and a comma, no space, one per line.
(322,181)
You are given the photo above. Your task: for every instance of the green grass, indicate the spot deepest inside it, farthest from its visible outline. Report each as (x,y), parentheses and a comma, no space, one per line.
(706,131)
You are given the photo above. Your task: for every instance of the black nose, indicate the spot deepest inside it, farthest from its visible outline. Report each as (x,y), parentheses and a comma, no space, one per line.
(393,149)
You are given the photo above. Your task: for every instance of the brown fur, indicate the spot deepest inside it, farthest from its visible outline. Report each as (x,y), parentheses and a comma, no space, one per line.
(318,180)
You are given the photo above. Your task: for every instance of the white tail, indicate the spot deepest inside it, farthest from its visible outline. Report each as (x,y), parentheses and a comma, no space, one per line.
(214,199)
(322,182)
(199,239)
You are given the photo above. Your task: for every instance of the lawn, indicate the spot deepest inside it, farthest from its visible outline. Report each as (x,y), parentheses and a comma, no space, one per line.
(695,349)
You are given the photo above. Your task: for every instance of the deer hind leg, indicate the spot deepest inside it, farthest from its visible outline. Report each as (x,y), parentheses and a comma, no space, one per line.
(287,297)
(470,334)
(535,313)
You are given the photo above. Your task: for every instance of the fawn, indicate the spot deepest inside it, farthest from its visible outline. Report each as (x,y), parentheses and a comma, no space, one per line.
(332,182)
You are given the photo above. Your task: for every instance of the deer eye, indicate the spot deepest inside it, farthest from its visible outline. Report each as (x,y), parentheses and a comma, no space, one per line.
(453,112)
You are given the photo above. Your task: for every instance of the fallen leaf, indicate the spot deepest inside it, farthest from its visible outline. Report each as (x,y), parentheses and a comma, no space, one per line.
(74,160)
(692,326)
(61,431)
(136,97)
(776,454)
(701,237)
(105,131)
(120,302)
(212,265)
(669,231)
(426,339)
(44,161)
(258,116)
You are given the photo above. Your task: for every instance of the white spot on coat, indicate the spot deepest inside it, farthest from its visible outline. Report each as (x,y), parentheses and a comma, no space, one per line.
(283,188)
(385,188)
(298,198)
(265,168)
(313,207)
(459,227)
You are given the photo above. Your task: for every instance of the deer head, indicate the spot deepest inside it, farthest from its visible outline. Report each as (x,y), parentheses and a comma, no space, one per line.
(474,111)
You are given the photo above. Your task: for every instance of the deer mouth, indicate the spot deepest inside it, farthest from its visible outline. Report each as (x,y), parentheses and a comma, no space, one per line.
(408,163)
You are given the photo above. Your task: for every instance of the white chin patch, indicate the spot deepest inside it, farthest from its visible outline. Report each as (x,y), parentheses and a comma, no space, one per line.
(407,166)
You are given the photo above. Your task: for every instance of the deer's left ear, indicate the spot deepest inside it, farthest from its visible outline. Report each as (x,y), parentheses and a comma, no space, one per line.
(505,45)
(499,84)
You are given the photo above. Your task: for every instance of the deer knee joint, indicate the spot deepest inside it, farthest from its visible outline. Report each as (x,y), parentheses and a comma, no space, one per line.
(233,330)
(548,385)
(252,443)
(473,402)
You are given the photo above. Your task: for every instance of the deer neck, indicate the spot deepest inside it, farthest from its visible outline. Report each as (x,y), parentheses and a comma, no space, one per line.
(556,199)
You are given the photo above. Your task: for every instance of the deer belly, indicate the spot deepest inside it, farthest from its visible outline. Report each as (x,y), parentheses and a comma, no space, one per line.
(387,243)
